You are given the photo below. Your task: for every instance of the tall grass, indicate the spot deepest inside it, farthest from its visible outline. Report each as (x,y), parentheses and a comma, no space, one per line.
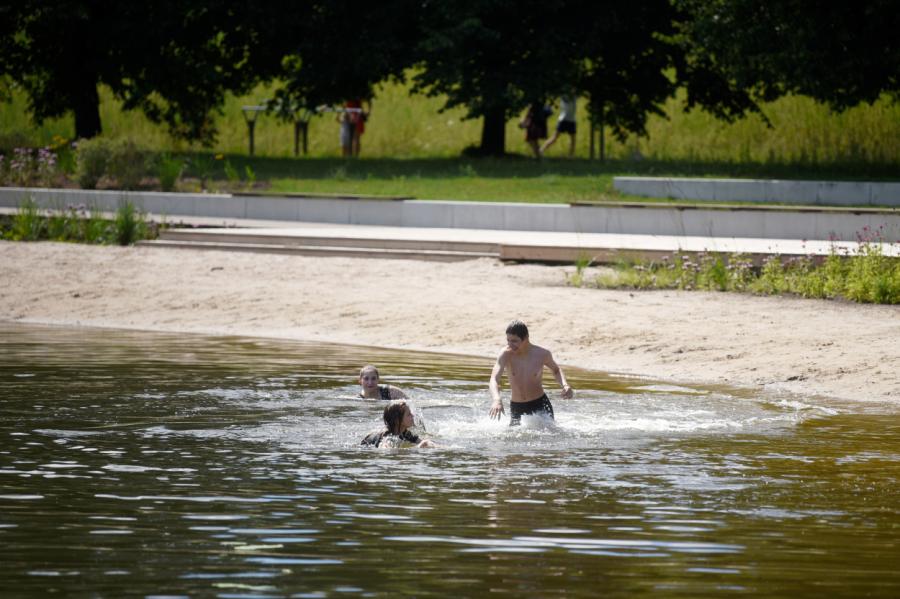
(404,126)
(28,223)
(130,224)
(867,276)
(78,224)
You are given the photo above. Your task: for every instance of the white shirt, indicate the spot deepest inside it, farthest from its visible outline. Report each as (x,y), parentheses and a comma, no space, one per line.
(567,108)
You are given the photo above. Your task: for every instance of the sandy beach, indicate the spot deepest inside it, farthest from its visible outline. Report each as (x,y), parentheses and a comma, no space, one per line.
(809,347)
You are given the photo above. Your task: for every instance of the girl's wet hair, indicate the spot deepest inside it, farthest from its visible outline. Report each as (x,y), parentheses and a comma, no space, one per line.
(393,416)
(363,370)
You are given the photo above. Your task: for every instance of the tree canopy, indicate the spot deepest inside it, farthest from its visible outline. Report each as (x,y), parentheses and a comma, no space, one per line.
(176,60)
(173,59)
(840,53)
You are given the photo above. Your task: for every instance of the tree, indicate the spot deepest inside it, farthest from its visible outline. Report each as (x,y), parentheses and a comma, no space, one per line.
(175,60)
(340,50)
(497,56)
(841,53)
(494,57)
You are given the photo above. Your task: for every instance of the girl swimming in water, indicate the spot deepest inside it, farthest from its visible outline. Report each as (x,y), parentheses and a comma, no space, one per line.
(398,419)
(370,389)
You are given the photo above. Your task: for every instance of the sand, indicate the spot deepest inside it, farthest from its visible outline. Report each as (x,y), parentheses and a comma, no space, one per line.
(785,345)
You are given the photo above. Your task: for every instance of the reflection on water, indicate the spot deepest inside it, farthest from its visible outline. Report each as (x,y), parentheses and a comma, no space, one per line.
(151,464)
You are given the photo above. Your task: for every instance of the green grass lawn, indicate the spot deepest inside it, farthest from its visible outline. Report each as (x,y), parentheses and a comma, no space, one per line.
(516,179)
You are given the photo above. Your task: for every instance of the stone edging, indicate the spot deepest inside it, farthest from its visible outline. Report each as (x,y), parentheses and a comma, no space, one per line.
(622,219)
(822,193)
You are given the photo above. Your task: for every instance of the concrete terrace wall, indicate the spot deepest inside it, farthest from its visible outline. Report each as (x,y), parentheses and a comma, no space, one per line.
(820,193)
(636,219)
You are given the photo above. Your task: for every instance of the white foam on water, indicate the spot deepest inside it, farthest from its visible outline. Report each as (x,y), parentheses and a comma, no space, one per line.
(458,418)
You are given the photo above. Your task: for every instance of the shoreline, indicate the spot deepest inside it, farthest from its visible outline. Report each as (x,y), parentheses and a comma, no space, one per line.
(775,344)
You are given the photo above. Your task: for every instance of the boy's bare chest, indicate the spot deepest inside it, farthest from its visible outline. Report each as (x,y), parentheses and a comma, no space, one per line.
(524,368)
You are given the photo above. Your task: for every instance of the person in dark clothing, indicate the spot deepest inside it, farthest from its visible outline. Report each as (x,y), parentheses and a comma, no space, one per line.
(535,125)
(398,419)
(370,389)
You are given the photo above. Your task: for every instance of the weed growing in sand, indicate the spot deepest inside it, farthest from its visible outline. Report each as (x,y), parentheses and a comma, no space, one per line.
(867,276)
(130,224)
(78,224)
(28,223)
(95,228)
(576,279)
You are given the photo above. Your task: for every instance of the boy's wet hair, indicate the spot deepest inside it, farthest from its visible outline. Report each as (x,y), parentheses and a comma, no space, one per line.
(517,328)
(393,416)
(363,370)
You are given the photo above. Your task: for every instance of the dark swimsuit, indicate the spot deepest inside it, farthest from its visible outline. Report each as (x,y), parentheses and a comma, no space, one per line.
(377,437)
(517,409)
(383,390)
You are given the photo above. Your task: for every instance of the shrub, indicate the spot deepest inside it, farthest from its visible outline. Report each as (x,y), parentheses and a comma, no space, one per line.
(127,164)
(168,169)
(92,158)
(65,154)
(713,272)
(771,278)
(202,167)
(231,173)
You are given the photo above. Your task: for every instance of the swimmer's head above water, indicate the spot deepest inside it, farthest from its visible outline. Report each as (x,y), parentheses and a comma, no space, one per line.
(398,417)
(370,388)
(368,377)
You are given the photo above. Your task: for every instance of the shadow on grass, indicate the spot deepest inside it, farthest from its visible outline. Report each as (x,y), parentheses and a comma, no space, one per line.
(520,167)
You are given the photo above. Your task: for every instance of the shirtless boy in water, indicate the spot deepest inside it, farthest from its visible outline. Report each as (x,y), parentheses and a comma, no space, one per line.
(526,364)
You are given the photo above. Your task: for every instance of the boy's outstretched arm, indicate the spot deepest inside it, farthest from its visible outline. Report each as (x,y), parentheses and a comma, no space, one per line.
(567,391)
(494,386)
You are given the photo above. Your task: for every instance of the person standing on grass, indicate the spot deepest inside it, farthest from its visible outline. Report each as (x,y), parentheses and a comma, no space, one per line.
(356,117)
(565,124)
(526,364)
(535,125)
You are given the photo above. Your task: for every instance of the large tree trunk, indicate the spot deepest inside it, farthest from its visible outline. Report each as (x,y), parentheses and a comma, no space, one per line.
(493,132)
(86,106)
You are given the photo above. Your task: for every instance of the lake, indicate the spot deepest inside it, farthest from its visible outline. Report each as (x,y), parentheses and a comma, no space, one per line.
(150,464)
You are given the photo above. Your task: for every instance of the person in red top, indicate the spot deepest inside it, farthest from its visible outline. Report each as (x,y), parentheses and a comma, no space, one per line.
(355,116)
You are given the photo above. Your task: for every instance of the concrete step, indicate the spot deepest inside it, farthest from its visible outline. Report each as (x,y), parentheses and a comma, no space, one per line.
(322,250)
(274,237)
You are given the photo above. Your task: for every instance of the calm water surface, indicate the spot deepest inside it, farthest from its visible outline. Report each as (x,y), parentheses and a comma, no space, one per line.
(139,464)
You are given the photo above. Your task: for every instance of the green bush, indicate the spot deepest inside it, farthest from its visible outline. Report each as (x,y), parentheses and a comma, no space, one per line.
(202,167)
(231,173)
(168,169)
(92,159)
(65,155)
(127,164)
(771,279)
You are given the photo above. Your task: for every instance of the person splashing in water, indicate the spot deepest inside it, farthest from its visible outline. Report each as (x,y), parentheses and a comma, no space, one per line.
(370,389)
(398,418)
(526,364)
